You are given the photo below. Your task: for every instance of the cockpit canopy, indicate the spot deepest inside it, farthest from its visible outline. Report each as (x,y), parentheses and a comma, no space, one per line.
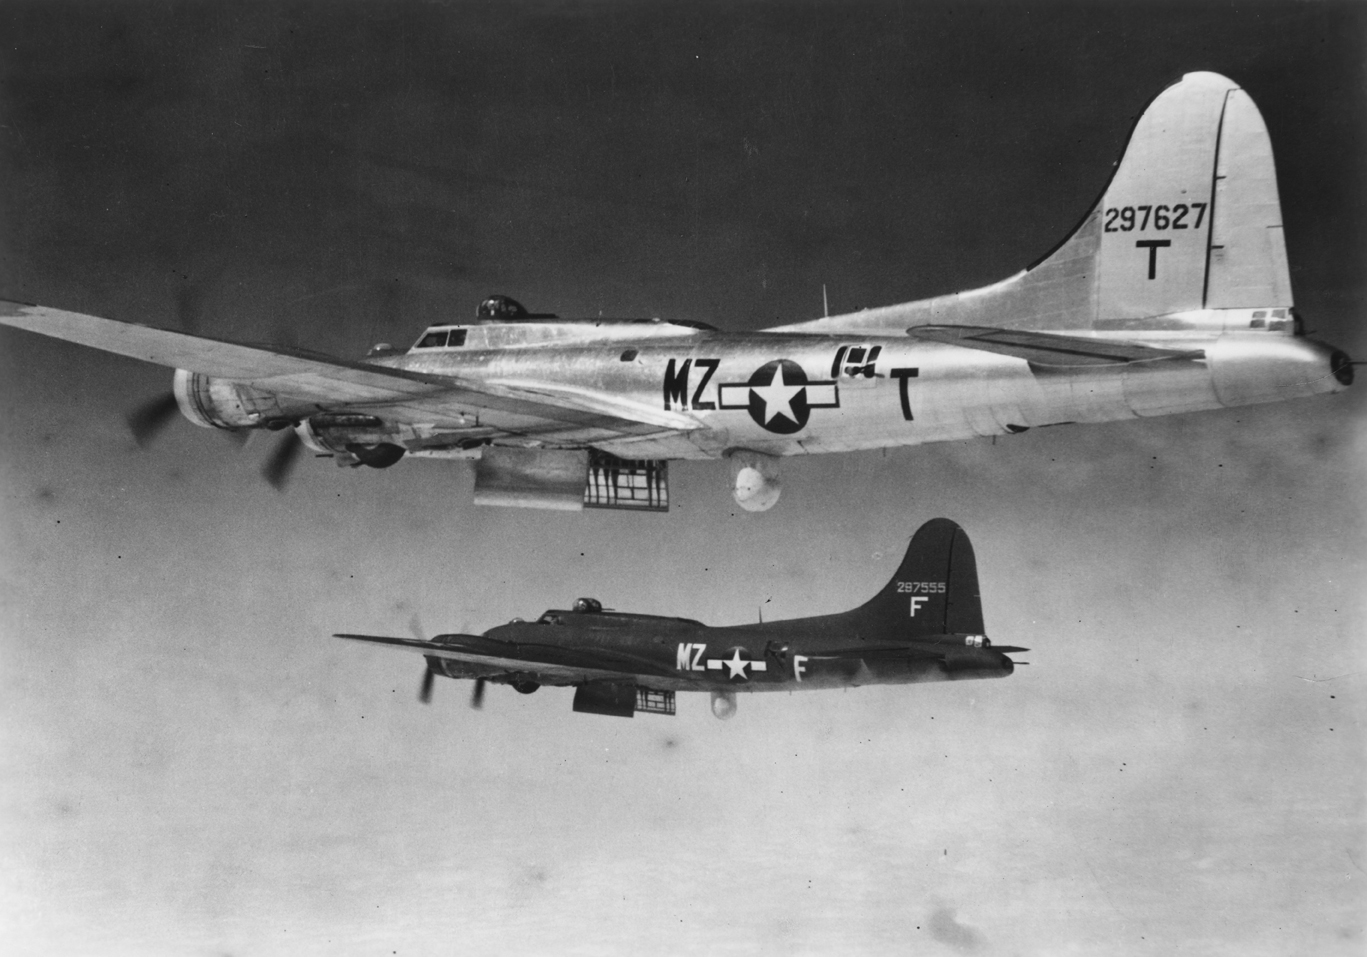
(441,337)
(502,321)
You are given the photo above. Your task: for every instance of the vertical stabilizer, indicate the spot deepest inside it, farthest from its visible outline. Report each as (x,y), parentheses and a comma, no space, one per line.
(935,590)
(1155,216)
(1190,220)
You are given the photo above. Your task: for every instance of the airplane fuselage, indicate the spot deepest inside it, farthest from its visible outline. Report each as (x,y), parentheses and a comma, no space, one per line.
(924,625)
(677,654)
(1172,295)
(787,394)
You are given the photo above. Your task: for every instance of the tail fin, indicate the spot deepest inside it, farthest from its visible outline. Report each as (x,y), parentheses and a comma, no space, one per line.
(1190,220)
(935,590)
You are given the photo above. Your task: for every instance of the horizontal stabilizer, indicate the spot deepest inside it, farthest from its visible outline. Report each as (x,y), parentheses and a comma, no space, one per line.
(1049,349)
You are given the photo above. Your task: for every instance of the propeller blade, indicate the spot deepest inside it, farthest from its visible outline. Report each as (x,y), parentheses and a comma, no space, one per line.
(148,419)
(282,461)
(425,692)
(477,696)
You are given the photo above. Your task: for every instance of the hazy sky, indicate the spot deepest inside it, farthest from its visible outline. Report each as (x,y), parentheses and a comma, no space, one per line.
(190,765)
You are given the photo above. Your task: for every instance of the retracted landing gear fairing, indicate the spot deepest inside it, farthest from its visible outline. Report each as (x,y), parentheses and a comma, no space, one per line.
(925,625)
(1173,295)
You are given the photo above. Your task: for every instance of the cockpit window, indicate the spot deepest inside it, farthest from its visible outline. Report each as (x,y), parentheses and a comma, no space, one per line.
(457,338)
(433,340)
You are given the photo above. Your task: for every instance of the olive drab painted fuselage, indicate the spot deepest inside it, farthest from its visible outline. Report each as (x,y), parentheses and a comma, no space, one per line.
(676,654)
(924,625)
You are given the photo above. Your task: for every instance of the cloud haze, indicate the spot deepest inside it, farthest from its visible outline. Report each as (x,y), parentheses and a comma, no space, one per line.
(191,764)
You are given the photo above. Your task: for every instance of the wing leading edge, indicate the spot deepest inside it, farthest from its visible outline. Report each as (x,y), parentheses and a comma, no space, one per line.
(332,384)
(555,663)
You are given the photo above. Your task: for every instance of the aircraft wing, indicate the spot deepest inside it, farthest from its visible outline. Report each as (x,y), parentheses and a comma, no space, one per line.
(915,650)
(329,383)
(555,663)
(895,652)
(1048,349)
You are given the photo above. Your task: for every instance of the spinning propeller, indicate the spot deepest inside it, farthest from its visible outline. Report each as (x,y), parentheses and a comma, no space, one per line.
(429,676)
(150,419)
(425,692)
(280,465)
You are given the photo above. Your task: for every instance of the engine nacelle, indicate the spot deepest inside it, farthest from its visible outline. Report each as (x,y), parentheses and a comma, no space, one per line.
(754,480)
(214,403)
(354,439)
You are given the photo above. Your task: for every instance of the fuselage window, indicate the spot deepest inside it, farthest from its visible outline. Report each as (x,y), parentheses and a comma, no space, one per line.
(433,340)
(457,338)
(629,355)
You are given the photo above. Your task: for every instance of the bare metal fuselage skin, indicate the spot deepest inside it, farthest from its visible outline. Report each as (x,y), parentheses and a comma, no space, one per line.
(911,392)
(1172,295)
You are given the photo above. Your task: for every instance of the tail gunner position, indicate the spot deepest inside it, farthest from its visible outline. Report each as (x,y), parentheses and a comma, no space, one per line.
(925,625)
(1172,295)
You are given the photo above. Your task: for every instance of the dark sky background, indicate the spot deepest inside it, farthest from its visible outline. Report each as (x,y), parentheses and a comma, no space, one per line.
(191,766)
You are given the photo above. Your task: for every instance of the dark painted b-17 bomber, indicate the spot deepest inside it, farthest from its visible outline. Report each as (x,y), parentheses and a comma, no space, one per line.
(926,624)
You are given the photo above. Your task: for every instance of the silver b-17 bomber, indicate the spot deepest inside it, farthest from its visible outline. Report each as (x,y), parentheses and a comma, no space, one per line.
(1173,295)
(925,625)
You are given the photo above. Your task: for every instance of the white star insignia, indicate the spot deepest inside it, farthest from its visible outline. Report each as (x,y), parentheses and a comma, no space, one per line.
(777,396)
(737,665)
